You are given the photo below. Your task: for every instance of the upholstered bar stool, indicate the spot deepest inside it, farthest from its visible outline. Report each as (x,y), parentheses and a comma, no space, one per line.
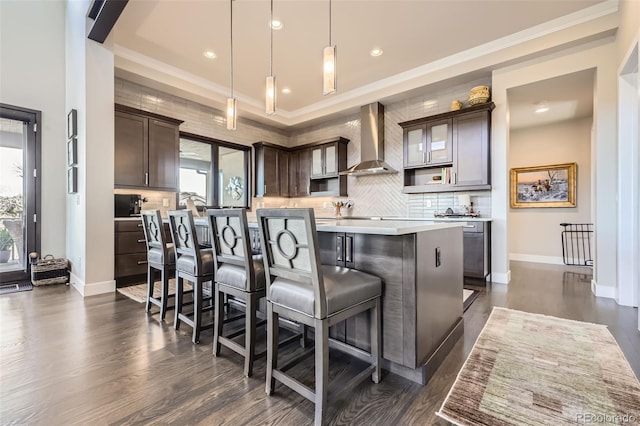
(160,257)
(300,288)
(239,274)
(193,263)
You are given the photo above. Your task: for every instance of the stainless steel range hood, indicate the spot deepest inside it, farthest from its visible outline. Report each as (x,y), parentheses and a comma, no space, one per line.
(371,143)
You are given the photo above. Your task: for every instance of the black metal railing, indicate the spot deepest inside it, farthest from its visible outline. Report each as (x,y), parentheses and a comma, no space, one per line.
(577,244)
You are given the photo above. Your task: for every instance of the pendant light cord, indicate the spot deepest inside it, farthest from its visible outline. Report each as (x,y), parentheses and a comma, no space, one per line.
(231,43)
(330,23)
(271,42)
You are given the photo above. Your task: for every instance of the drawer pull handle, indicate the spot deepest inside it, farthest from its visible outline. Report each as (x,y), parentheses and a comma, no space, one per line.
(139,225)
(468,226)
(142,262)
(141,241)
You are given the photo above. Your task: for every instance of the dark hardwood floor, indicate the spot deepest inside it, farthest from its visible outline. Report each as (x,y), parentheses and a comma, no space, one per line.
(102,360)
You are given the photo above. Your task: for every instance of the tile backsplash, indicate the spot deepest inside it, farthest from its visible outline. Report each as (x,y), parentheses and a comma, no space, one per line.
(372,195)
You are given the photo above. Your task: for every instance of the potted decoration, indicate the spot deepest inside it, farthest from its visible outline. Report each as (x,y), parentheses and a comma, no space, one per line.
(6,243)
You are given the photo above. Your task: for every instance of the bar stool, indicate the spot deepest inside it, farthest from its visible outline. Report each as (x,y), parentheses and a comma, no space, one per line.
(160,256)
(238,274)
(193,263)
(300,288)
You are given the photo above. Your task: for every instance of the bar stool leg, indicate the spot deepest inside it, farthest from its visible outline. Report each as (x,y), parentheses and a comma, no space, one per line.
(164,287)
(219,320)
(322,369)
(250,334)
(150,284)
(272,347)
(197,310)
(376,340)
(179,294)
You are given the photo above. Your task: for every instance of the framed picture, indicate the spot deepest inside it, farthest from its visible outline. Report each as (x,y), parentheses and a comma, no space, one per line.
(544,186)
(72,124)
(72,180)
(72,152)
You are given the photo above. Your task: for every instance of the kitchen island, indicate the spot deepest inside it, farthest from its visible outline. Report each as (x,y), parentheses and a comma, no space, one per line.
(421,266)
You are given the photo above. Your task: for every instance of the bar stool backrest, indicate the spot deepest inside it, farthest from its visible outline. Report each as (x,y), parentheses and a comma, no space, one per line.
(185,238)
(229,233)
(290,250)
(154,232)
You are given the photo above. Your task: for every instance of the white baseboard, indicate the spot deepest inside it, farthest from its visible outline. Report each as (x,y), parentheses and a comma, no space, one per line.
(501,277)
(92,289)
(603,290)
(553,260)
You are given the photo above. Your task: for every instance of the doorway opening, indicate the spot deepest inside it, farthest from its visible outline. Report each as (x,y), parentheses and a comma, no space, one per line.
(19,190)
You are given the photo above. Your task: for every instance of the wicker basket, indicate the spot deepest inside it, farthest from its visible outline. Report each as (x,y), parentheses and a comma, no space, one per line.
(50,270)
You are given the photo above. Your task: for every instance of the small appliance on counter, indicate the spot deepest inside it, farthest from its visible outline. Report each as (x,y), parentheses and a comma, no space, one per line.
(128,205)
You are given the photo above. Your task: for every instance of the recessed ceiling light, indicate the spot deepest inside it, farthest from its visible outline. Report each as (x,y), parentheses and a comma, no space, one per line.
(286,90)
(210,54)
(276,25)
(376,52)
(541,107)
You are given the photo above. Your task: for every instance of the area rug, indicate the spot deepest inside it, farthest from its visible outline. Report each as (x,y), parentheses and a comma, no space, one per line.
(16,287)
(139,292)
(528,369)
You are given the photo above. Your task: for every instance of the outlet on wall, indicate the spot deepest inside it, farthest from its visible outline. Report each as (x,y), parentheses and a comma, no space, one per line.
(165,202)
(428,203)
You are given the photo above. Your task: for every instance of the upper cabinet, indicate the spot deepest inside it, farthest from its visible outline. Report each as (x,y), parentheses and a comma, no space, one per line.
(311,169)
(449,151)
(146,150)
(428,144)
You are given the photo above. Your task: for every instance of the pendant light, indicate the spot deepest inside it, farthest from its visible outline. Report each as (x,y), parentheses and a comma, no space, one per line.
(232,112)
(271,79)
(329,64)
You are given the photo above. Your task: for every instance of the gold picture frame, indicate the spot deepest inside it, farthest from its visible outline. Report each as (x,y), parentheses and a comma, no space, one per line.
(544,186)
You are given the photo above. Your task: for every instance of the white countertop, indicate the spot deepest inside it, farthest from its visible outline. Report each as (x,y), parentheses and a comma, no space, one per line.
(381,227)
(127,219)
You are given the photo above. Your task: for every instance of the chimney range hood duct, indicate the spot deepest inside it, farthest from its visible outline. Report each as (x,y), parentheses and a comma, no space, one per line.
(371,143)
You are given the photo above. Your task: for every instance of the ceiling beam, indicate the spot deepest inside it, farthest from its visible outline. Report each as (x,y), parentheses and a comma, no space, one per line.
(105,14)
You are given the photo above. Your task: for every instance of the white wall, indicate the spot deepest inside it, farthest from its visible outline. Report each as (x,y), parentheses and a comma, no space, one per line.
(90,90)
(601,57)
(32,46)
(534,233)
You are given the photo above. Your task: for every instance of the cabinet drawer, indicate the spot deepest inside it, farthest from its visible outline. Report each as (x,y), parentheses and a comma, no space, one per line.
(130,242)
(128,226)
(131,264)
(473,227)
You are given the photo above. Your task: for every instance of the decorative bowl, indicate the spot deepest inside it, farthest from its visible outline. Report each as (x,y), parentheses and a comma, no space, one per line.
(479,95)
(455,105)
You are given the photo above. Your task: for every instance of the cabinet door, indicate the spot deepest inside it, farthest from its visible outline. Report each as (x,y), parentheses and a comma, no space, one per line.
(472,149)
(304,168)
(439,142)
(414,146)
(283,173)
(131,135)
(317,162)
(331,159)
(474,255)
(164,147)
(271,172)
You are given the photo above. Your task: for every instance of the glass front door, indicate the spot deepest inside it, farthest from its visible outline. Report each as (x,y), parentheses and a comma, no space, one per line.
(18,194)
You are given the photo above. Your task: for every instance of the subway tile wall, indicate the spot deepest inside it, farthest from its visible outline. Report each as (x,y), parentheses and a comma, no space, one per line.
(372,195)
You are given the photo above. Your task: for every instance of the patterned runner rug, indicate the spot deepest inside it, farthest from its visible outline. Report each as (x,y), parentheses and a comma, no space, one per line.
(529,369)
(139,292)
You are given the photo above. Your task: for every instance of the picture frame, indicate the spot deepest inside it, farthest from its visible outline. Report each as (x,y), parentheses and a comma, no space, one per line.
(72,152)
(72,124)
(72,180)
(543,186)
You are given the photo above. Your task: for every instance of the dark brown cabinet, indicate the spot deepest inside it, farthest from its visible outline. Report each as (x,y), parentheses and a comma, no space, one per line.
(271,170)
(477,249)
(130,252)
(449,151)
(146,150)
(311,169)
(299,170)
